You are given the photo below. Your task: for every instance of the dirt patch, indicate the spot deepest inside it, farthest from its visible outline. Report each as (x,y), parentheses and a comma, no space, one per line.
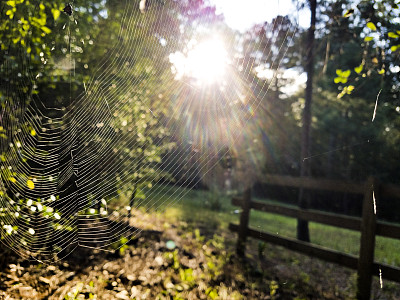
(179,261)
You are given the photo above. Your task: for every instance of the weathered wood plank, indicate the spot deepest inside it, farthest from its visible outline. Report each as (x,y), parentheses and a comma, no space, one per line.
(390,190)
(310,215)
(382,228)
(388,272)
(388,230)
(237,201)
(244,223)
(367,241)
(305,248)
(317,184)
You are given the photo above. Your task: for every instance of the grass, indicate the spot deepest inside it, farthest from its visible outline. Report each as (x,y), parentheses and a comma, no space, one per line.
(194,207)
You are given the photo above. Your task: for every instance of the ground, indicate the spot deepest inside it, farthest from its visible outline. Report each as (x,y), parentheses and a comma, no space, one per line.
(199,264)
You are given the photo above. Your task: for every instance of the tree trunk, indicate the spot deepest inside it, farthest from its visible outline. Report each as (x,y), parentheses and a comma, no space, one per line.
(303,202)
(132,200)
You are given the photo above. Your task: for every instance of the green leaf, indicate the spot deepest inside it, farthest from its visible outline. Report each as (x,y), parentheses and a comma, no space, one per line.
(340,79)
(10,13)
(359,69)
(348,13)
(371,26)
(392,35)
(39,21)
(368,38)
(46,29)
(346,73)
(30,184)
(212,293)
(394,48)
(11,3)
(56,13)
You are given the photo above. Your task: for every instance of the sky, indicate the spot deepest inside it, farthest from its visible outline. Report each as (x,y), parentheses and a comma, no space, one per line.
(242,14)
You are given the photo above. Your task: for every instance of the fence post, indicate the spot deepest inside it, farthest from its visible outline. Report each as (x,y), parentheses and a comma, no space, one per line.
(367,242)
(244,223)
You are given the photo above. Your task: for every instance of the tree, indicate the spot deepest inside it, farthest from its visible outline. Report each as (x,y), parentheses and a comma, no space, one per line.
(110,131)
(302,225)
(29,32)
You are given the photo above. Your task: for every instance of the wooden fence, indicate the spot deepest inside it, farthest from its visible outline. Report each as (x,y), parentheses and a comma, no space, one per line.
(368,225)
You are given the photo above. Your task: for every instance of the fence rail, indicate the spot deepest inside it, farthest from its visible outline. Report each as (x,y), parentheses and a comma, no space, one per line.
(367,225)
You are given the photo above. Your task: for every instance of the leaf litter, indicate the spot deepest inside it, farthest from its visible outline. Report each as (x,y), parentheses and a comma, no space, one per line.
(202,265)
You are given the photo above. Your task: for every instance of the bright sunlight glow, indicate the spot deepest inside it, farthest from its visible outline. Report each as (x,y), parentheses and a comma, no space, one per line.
(206,62)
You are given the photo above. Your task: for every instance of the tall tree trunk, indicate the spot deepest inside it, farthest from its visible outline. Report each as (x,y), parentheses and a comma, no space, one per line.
(132,200)
(303,202)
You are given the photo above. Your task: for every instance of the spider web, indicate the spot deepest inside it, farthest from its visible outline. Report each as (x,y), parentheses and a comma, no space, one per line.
(68,171)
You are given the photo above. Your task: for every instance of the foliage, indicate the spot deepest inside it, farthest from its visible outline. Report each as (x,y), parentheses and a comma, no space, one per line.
(45,41)
(376,25)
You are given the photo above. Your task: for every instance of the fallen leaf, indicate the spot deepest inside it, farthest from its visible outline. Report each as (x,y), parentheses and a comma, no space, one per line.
(44,279)
(122,295)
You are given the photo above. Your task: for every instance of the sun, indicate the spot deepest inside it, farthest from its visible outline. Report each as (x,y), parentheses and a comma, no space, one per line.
(206,62)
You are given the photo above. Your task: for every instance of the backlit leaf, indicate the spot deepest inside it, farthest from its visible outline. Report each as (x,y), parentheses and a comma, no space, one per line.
(394,48)
(56,13)
(11,3)
(10,13)
(359,69)
(371,26)
(368,38)
(346,73)
(46,29)
(30,184)
(393,35)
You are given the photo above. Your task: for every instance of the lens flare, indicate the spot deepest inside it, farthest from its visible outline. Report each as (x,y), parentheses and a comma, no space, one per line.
(222,128)
(206,62)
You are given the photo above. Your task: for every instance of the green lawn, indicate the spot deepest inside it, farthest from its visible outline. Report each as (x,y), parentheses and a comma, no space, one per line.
(195,207)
